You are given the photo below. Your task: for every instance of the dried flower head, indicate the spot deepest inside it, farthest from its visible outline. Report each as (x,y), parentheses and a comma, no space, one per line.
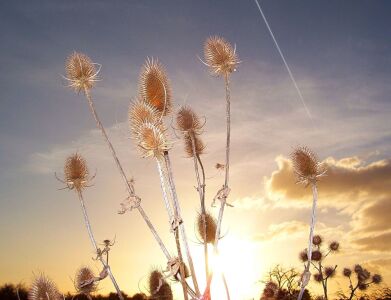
(141,112)
(81,72)
(152,140)
(198,145)
(187,121)
(154,86)
(318,277)
(317,240)
(363,275)
(347,272)
(358,268)
(362,286)
(85,281)
(269,290)
(376,278)
(334,246)
(158,287)
(43,288)
(329,271)
(220,56)
(220,166)
(306,165)
(303,255)
(211,227)
(76,172)
(316,255)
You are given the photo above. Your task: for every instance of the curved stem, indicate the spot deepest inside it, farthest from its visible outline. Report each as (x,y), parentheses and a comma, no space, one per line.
(93,241)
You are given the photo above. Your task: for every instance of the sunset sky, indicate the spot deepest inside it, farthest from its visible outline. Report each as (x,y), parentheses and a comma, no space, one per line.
(340,54)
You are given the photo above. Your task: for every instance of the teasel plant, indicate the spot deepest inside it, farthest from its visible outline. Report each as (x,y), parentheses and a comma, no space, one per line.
(77,177)
(222,60)
(86,282)
(43,288)
(364,279)
(154,89)
(82,75)
(319,255)
(159,287)
(308,171)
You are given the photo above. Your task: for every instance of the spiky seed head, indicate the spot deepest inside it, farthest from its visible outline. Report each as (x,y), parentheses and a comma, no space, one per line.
(211,227)
(188,121)
(198,145)
(141,112)
(316,255)
(318,277)
(329,271)
(43,288)
(358,268)
(317,240)
(347,272)
(363,275)
(154,86)
(76,171)
(334,246)
(362,286)
(306,165)
(158,287)
(220,56)
(303,255)
(85,281)
(152,140)
(81,72)
(376,278)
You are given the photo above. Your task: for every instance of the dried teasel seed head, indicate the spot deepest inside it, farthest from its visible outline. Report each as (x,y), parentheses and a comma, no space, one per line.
(317,240)
(329,271)
(141,112)
(43,288)
(76,172)
(334,246)
(187,121)
(211,227)
(220,56)
(158,287)
(316,255)
(154,86)
(306,165)
(152,140)
(376,278)
(198,145)
(80,72)
(85,282)
(318,277)
(303,255)
(347,272)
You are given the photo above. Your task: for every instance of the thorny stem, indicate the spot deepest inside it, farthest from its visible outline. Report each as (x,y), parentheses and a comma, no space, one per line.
(309,253)
(175,229)
(128,184)
(177,210)
(201,192)
(91,235)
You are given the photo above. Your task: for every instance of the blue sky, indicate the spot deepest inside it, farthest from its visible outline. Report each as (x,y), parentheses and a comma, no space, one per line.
(340,54)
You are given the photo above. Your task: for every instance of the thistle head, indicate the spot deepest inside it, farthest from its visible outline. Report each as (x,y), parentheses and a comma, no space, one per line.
(318,277)
(198,148)
(329,271)
(154,86)
(76,172)
(303,255)
(158,287)
(209,234)
(347,272)
(376,278)
(80,72)
(152,140)
(85,282)
(220,56)
(334,246)
(316,255)
(358,269)
(141,112)
(188,121)
(306,165)
(317,240)
(43,288)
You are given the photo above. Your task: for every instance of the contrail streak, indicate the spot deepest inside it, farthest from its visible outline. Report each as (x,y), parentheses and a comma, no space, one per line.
(284,60)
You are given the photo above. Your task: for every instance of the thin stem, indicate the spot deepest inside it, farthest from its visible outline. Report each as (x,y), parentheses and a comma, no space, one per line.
(201,192)
(177,210)
(225,286)
(128,184)
(175,230)
(309,253)
(93,241)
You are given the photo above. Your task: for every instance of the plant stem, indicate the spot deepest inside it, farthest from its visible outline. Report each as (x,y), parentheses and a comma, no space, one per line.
(175,230)
(201,192)
(309,252)
(91,235)
(128,185)
(177,210)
